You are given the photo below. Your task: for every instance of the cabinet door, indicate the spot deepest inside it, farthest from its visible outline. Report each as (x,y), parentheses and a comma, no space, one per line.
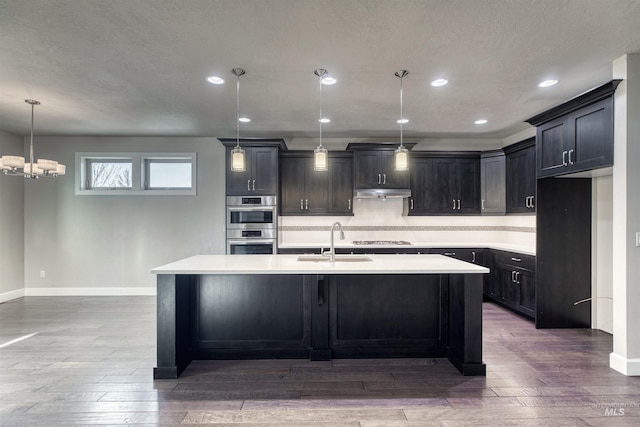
(493,185)
(553,142)
(420,186)
(444,186)
(508,290)
(520,181)
(526,282)
(390,177)
(341,185)
(593,126)
(317,189)
(239,183)
(468,186)
(265,170)
(367,170)
(292,189)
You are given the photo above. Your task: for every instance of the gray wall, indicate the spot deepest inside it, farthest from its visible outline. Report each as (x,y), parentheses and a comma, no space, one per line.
(87,241)
(11,223)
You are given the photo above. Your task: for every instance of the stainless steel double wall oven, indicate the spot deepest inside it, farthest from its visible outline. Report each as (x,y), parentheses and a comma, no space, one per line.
(252,225)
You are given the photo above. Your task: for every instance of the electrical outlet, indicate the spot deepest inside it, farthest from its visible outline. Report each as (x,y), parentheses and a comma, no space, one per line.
(42,273)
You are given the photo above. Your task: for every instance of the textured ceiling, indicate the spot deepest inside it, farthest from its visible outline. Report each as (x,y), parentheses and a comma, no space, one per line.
(124,67)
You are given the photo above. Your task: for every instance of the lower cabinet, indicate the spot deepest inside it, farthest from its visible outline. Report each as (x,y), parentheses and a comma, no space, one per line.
(512,281)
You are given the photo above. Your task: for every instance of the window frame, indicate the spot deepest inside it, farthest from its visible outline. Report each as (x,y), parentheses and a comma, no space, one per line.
(139,173)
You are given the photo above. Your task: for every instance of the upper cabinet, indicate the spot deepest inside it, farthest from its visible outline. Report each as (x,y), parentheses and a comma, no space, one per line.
(445,183)
(305,191)
(261,167)
(576,136)
(521,176)
(492,183)
(374,167)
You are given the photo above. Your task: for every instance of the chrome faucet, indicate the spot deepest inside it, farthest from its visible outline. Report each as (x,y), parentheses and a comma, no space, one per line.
(332,251)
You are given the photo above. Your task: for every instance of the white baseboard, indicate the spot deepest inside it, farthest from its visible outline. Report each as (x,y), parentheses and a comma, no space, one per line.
(629,367)
(8,296)
(103,291)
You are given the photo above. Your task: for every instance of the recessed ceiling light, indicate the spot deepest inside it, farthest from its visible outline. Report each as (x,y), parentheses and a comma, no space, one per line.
(324,120)
(547,83)
(328,80)
(403,121)
(481,121)
(215,80)
(244,119)
(439,82)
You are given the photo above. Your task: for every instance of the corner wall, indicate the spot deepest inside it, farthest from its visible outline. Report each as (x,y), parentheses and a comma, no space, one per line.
(11,224)
(104,245)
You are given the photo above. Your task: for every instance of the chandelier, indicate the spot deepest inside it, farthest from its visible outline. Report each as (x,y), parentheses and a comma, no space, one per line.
(17,165)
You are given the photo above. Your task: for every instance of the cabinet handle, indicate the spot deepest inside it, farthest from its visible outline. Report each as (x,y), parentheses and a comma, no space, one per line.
(483,205)
(458,204)
(532,206)
(570,161)
(454,204)
(254,185)
(516,259)
(564,160)
(306,204)
(517,277)
(526,202)
(411,201)
(379,179)
(248,185)
(384,178)
(513,276)
(450,253)
(349,204)
(301,204)
(473,256)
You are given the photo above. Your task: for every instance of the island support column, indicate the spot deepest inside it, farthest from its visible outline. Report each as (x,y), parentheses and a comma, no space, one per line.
(465,333)
(173,324)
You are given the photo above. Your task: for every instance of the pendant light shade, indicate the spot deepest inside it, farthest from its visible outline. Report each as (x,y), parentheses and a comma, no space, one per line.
(320,154)
(401,154)
(238,160)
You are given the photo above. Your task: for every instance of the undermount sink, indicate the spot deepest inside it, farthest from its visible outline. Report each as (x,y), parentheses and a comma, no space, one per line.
(339,258)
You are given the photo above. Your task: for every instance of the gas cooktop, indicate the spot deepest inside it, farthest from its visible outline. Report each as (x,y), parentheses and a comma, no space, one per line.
(381,242)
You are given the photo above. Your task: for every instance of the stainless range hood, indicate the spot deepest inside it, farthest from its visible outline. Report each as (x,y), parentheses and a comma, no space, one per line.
(381,193)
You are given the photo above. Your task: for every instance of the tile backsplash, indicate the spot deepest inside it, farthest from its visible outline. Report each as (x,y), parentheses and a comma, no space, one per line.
(378,219)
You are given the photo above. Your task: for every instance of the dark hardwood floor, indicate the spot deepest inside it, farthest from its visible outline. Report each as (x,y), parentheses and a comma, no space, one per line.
(90,363)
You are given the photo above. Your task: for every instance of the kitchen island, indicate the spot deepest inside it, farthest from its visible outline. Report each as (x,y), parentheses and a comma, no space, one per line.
(276,306)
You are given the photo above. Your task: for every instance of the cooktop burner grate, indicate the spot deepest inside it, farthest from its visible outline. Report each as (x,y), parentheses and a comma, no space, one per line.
(381,242)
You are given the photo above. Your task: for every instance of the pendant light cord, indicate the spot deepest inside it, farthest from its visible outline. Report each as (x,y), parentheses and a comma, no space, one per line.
(401,116)
(31,142)
(238,110)
(320,118)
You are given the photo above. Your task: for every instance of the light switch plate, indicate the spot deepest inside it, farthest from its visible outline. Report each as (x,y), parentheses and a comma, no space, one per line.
(638,238)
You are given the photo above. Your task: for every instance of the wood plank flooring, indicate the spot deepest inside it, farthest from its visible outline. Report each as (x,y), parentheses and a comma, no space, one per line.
(90,362)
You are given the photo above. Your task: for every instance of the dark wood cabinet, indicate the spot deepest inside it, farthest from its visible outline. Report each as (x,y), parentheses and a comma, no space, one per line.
(493,183)
(450,185)
(512,281)
(521,177)
(576,136)
(261,172)
(563,225)
(305,191)
(375,168)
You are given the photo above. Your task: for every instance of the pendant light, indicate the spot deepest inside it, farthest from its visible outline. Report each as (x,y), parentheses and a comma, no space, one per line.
(11,165)
(401,154)
(320,155)
(238,163)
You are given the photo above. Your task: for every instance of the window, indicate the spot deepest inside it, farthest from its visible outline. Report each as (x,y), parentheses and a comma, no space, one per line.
(167,174)
(136,173)
(109,174)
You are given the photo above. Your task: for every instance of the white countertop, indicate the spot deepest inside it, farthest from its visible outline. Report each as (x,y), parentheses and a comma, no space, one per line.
(288,264)
(527,250)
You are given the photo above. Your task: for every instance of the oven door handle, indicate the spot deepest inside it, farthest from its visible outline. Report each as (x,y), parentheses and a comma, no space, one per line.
(251,208)
(249,241)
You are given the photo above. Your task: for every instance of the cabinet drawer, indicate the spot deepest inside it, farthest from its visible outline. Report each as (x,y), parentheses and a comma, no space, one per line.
(523,261)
